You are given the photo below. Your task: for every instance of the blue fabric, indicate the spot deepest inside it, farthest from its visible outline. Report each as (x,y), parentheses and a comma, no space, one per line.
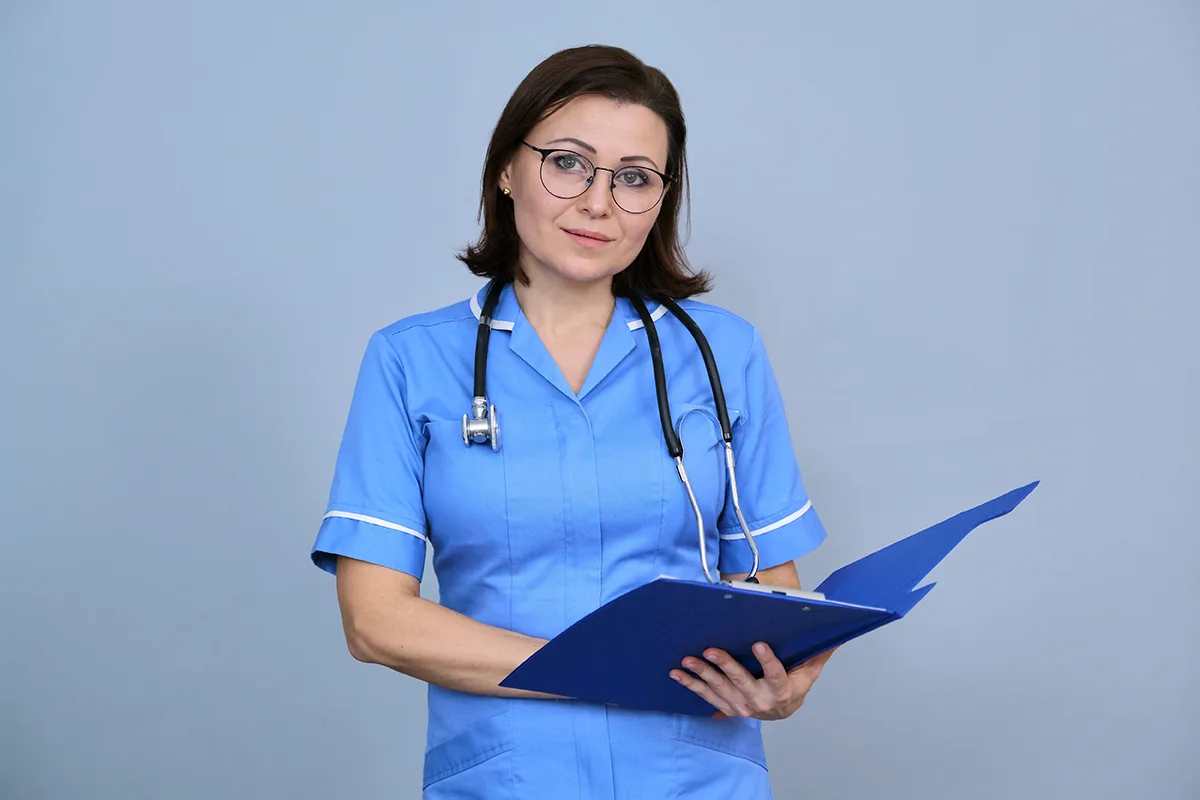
(581,505)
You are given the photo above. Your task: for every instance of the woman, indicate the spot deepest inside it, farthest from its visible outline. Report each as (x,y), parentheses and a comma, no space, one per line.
(581,503)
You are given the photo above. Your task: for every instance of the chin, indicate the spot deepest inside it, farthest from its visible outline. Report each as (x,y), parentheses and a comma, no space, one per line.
(586,270)
(593,275)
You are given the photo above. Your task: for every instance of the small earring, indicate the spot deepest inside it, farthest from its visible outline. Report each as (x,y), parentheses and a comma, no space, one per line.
(507,192)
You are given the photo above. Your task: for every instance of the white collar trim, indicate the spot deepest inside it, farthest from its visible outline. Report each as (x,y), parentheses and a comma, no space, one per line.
(495,324)
(655,316)
(505,325)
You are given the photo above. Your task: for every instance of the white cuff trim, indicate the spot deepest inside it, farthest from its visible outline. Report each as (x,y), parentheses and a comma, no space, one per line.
(376,521)
(790,518)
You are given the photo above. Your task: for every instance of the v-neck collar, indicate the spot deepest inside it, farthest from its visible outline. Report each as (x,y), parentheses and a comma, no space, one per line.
(620,338)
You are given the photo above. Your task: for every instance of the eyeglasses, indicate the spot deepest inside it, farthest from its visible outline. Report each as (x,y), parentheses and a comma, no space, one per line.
(567,174)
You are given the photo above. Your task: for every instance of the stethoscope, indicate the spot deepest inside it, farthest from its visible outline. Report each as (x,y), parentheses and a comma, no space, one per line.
(483,426)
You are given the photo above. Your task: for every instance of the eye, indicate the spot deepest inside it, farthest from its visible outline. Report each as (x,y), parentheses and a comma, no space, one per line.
(569,162)
(632,178)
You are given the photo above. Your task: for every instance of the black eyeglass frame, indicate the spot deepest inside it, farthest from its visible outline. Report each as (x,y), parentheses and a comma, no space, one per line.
(545,152)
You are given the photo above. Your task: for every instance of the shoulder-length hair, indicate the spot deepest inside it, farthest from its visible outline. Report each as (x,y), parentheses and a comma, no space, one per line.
(661,267)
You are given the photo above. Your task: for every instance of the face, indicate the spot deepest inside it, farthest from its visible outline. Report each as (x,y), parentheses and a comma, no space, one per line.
(588,238)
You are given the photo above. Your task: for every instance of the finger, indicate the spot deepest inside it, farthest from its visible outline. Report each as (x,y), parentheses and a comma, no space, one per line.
(703,689)
(737,675)
(774,673)
(720,684)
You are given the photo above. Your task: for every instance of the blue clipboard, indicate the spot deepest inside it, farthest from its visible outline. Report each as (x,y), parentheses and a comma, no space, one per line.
(622,652)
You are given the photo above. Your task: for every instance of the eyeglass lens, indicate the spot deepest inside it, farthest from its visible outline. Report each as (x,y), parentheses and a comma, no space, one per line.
(567,174)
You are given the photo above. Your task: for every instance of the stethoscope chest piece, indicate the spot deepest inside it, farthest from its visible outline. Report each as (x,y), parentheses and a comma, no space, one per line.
(482,426)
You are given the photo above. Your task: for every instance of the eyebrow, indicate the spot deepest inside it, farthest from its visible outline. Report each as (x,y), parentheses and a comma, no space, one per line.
(592,150)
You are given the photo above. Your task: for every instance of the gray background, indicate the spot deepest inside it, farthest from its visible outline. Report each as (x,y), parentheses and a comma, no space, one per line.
(967,231)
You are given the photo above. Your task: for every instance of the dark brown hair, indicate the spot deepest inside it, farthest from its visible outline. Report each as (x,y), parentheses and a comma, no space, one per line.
(661,267)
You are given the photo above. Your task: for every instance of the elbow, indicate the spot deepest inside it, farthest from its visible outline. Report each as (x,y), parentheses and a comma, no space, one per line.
(375,604)
(376,638)
(361,639)
(359,647)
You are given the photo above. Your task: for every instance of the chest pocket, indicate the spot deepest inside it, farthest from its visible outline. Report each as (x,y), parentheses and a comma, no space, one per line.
(463,495)
(495,518)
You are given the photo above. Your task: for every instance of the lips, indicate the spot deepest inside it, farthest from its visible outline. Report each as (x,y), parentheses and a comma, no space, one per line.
(583,233)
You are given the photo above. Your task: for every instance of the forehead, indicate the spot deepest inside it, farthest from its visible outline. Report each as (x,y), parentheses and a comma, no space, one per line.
(613,129)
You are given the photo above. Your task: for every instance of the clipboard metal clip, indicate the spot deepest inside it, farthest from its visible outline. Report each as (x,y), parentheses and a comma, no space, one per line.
(784,590)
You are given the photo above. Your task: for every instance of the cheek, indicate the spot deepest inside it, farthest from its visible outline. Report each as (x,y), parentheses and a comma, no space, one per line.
(637,230)
(535,218)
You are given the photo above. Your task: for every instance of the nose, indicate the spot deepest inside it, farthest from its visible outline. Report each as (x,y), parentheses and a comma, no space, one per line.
(597,199)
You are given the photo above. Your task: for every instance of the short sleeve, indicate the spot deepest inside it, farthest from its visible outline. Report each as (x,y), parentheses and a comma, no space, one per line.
(772,496)
(375,511)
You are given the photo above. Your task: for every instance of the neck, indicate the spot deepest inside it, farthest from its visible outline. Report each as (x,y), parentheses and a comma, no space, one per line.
(551,303)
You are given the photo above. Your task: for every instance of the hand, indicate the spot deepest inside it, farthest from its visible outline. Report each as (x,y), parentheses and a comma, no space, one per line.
(736,693)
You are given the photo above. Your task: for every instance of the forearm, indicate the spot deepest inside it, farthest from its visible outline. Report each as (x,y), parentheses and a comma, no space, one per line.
(435,644)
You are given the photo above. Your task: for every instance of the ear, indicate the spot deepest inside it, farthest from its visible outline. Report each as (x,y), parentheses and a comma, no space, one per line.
(505,179)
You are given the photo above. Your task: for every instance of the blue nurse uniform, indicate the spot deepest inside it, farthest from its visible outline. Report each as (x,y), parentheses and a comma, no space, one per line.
(581,504)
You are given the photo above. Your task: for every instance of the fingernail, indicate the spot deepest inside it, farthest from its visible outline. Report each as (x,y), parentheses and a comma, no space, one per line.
(674,677)
(760,648)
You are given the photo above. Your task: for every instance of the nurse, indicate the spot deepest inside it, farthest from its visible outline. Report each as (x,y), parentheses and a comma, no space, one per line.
(582,189)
